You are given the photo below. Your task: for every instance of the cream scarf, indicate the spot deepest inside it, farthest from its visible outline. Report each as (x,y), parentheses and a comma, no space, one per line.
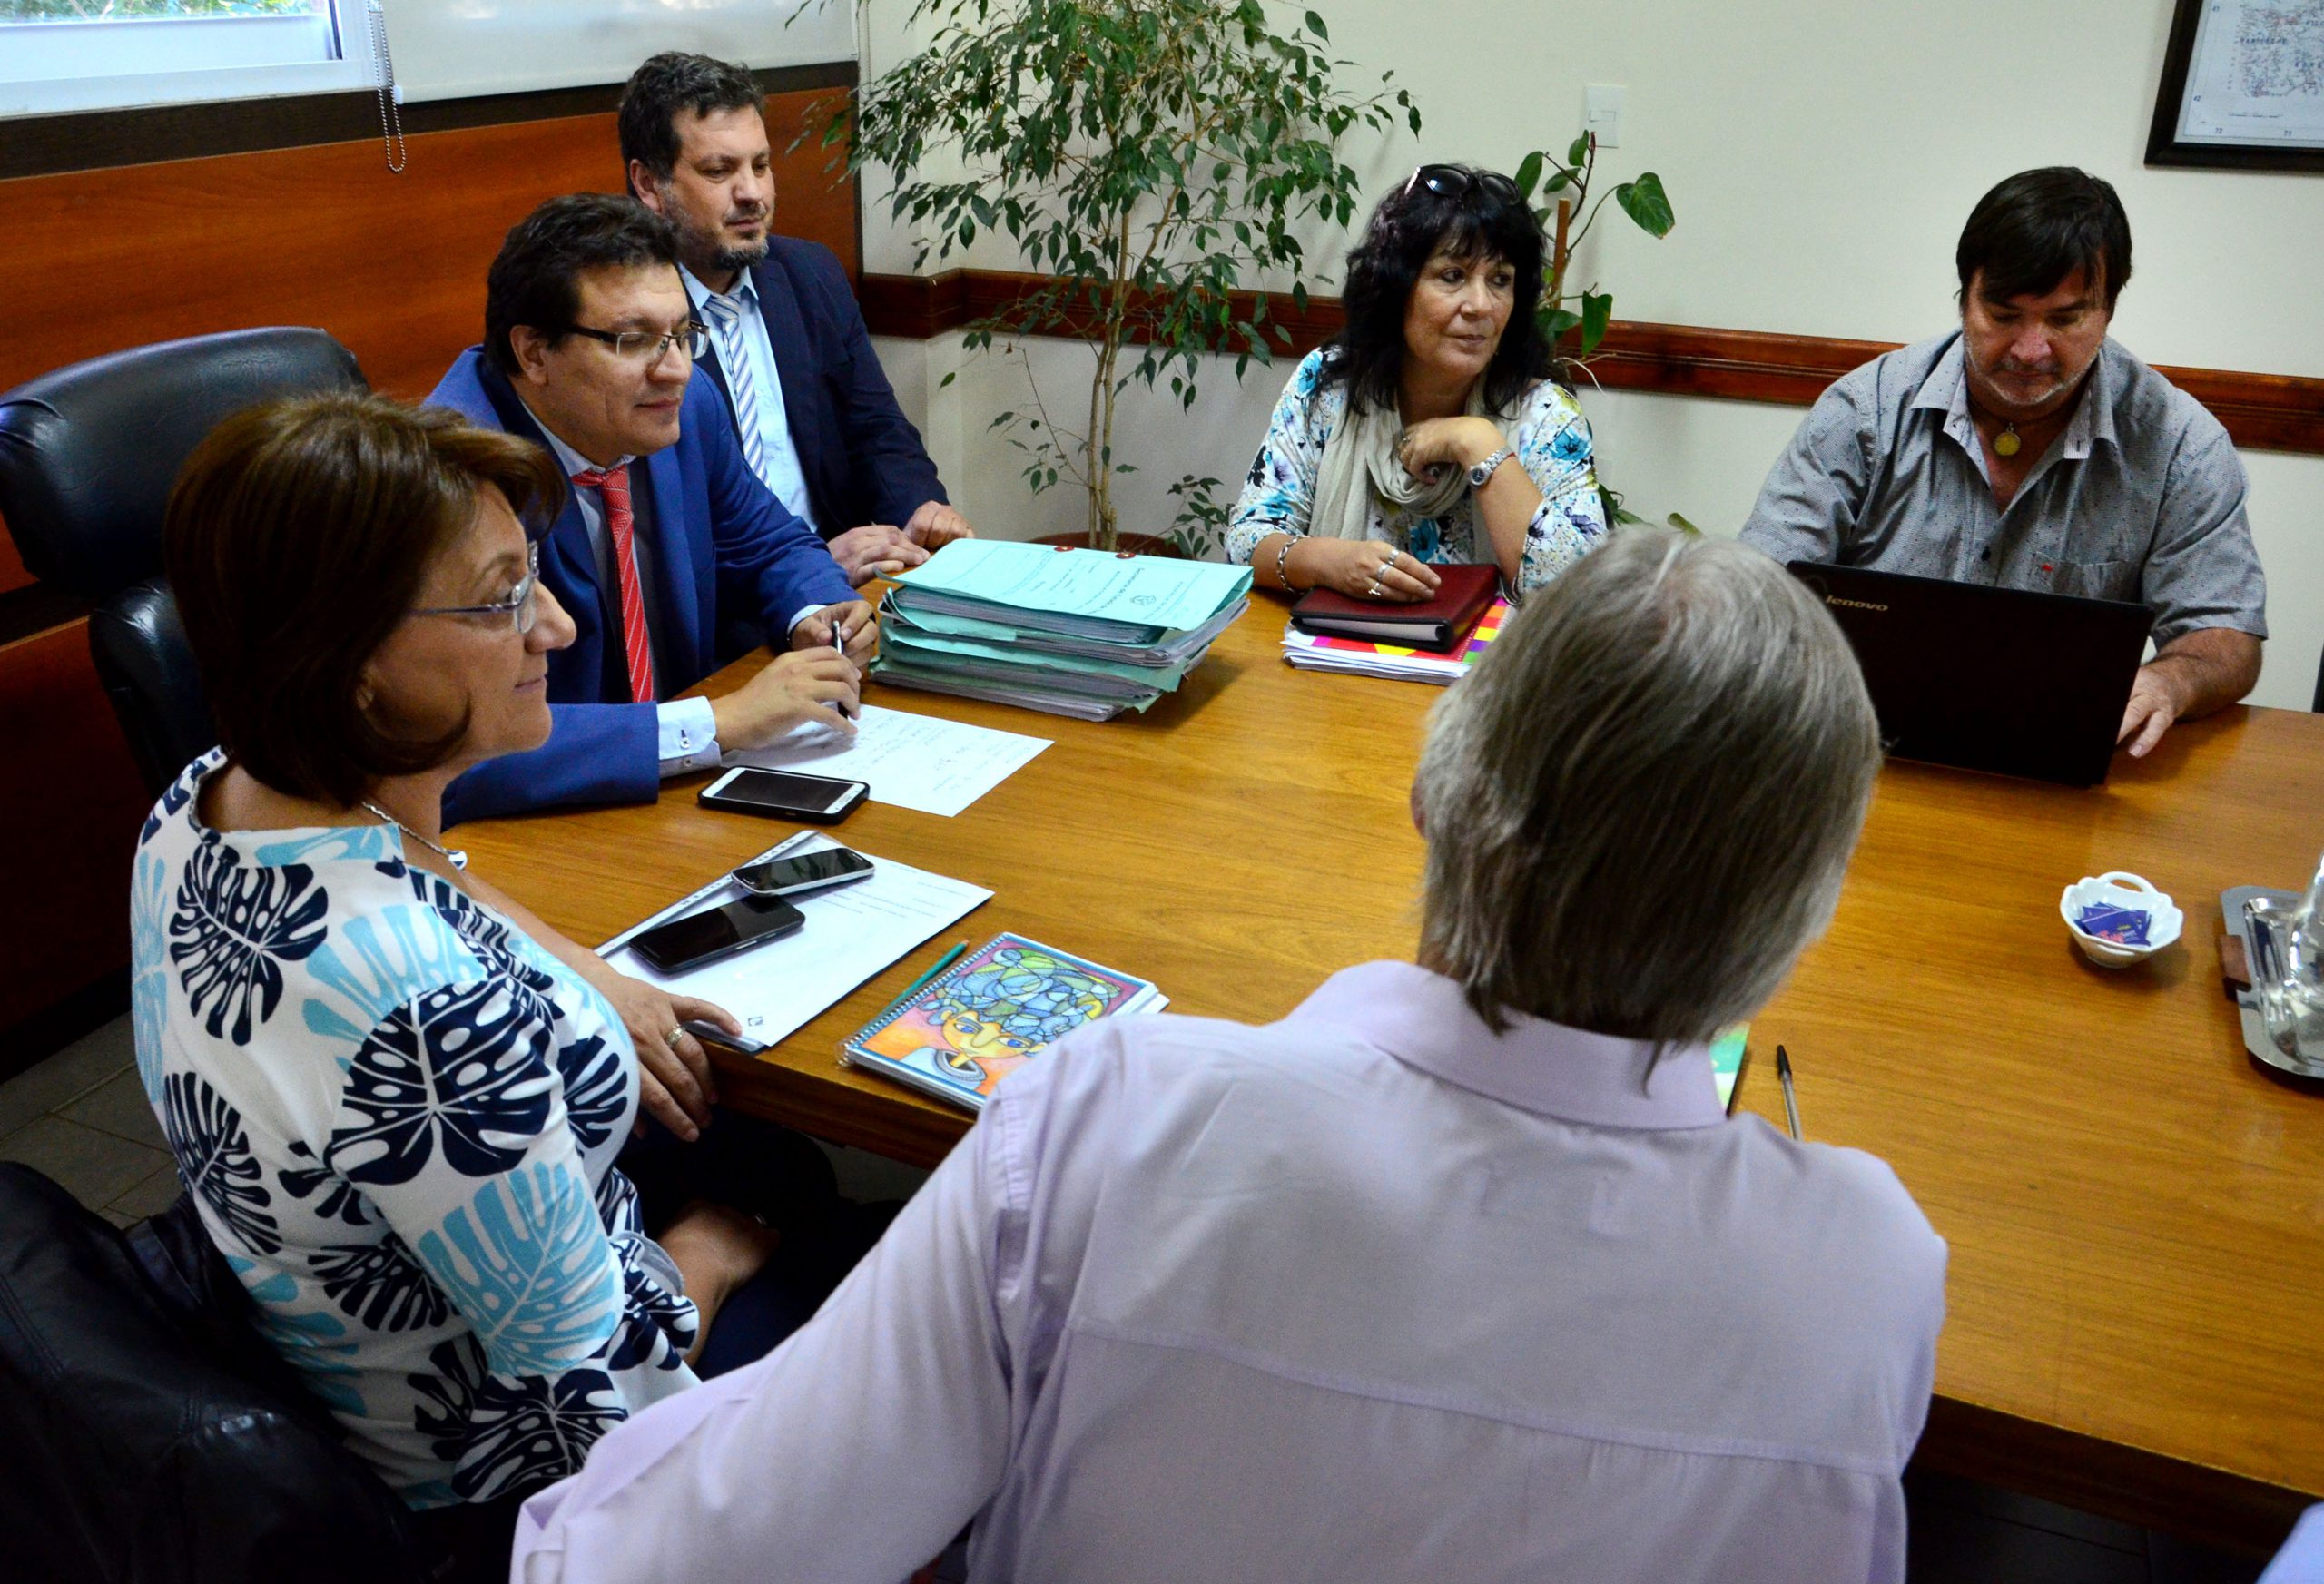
(1360,465)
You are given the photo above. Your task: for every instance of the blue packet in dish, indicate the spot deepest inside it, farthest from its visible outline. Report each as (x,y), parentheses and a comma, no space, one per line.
(2123,926)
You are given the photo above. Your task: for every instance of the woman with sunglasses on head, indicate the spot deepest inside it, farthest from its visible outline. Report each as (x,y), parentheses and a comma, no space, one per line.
(394,1095)
(1428,431)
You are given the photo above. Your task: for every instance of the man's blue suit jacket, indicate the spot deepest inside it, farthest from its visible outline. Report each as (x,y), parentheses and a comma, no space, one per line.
(733,568)
(863,460)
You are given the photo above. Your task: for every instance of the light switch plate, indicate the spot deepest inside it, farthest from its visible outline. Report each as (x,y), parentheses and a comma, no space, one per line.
(1601,112)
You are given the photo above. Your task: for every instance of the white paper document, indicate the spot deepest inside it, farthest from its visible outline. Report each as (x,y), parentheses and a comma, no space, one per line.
(852,932)
(913,762)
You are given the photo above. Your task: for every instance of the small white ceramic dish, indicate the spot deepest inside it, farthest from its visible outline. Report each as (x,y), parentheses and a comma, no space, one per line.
(2122,889)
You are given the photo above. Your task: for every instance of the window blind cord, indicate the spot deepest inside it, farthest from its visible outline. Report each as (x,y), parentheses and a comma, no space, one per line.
(383,77)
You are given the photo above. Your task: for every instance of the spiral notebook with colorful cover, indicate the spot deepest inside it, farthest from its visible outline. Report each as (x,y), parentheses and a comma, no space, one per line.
(1001,1006)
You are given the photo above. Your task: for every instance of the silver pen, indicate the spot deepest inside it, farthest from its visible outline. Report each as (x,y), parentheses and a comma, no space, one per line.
(1790,1100)
(839,642)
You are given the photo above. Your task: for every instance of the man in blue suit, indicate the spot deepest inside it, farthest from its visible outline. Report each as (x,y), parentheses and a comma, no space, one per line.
(814,415)
(670,555)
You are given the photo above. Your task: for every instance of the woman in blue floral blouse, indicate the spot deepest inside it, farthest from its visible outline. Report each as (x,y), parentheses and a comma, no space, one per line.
(1427,433)
(394,1095)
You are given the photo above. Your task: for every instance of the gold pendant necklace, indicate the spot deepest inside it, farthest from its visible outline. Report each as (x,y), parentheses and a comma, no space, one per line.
(2006,443)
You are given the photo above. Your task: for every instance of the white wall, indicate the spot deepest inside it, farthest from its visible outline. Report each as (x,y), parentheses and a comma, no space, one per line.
(1821,155)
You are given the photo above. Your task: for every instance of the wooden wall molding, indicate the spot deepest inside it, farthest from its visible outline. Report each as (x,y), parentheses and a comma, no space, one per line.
(2269,412)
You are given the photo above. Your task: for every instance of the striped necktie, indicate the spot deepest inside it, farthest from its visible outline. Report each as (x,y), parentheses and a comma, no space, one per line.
(622,526)
(726,318)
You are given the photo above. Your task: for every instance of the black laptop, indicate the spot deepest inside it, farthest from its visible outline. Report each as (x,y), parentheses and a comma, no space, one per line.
(1996,679)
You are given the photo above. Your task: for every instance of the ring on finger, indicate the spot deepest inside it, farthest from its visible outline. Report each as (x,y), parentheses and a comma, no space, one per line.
(674,1036)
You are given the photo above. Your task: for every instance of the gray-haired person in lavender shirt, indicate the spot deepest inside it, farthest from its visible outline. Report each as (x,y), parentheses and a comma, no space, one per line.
(1459,1272)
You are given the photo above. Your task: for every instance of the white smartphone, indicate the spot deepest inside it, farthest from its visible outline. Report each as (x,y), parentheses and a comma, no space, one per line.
(816,800)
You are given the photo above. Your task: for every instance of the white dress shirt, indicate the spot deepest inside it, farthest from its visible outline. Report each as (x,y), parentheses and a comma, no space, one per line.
(783,475)
(1371,1293)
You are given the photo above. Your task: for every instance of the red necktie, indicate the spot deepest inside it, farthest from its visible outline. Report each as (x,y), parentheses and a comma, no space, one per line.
(614,482)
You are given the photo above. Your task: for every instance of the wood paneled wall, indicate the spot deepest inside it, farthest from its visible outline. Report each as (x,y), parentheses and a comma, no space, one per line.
(2277,412)
(393,265)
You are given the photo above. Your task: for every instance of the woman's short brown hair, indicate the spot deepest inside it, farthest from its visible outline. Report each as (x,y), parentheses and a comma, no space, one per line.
(298,536)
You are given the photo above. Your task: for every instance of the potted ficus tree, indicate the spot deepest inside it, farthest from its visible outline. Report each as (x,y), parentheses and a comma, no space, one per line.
(1148,158)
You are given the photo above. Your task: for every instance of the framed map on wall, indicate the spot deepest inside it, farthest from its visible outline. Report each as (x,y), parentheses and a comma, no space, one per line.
(2242,87)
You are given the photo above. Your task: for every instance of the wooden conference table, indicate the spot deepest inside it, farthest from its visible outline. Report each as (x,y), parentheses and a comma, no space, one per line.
(2136,1213)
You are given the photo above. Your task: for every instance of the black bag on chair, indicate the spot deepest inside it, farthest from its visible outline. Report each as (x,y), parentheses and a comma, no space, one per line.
(148,1435)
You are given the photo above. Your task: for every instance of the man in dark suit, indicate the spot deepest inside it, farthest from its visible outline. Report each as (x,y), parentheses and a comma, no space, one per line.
(815,417)
(670,555)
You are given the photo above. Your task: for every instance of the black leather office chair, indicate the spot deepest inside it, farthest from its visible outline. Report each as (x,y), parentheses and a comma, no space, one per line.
(152,1437)
(87,456)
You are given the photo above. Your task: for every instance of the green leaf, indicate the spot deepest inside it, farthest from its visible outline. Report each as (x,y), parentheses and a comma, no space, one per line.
(1597,312)
(1645,201)
(1683,525)
(1578,150)
(1316,25)
(1529,175)
(1558,183)
(1556,321)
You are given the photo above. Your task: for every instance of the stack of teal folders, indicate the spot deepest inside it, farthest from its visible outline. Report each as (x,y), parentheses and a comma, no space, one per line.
(1079,633)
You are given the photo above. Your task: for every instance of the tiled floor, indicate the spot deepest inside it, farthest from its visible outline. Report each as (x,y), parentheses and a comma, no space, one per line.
(82,1117)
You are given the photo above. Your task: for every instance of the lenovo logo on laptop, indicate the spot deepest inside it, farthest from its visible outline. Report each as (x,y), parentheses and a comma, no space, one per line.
(1853,605)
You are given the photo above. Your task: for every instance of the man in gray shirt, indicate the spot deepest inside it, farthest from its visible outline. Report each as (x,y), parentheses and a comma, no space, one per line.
(2027,450)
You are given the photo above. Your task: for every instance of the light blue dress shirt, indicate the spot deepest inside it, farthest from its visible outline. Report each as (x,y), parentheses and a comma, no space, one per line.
(1371,1293)
(782,474)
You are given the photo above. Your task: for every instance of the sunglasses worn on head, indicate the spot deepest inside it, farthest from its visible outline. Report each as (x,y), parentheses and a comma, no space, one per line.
(1454,181)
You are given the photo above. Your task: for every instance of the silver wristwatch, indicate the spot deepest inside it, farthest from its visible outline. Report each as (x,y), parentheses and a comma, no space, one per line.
(1486,468)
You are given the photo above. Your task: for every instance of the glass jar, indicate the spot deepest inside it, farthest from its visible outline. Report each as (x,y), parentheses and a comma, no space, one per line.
(2287,973)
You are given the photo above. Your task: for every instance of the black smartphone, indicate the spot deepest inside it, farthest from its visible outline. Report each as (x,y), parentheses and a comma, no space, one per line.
(810,871)
(716,932)
(817,800)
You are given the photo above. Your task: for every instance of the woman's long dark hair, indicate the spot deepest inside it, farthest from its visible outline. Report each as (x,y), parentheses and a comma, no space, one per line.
(1409,226)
